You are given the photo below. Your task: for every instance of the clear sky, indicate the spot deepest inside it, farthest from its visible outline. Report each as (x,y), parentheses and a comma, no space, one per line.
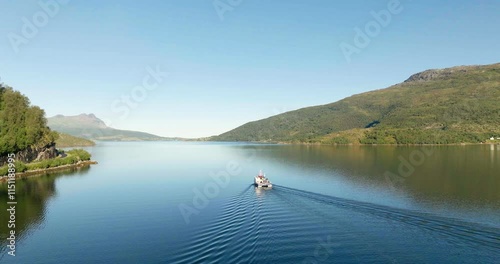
(242,61)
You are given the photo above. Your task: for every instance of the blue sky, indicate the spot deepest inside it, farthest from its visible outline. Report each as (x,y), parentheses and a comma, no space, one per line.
(262,58)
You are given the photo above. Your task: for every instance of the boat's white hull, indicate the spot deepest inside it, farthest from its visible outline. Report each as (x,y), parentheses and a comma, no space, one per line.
(263,185)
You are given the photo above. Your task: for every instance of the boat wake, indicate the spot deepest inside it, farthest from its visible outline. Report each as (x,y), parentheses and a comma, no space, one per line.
(287,225)
(472,232)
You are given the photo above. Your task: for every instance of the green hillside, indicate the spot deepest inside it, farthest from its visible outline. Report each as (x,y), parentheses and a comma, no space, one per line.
(65,141)
(91,127)
(454,105)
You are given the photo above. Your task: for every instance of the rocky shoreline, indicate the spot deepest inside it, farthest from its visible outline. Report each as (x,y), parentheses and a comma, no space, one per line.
(41,172)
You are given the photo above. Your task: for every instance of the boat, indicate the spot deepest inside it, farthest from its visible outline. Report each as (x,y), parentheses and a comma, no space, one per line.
(261,181)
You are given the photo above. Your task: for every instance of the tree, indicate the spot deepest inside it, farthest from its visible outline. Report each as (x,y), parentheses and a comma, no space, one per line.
(21,125)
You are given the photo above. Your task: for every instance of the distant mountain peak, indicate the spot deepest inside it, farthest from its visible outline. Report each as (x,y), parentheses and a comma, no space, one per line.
(82,119)
(91,127)
(92,116)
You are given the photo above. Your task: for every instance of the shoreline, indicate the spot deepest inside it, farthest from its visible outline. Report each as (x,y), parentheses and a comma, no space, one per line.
(395,145)
(41,172)
(358,144)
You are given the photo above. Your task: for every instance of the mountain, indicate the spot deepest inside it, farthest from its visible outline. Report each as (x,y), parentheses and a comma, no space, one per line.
(441,106)
(90,127)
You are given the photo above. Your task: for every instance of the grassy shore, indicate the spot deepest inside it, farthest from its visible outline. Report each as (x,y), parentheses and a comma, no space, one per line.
(69,159)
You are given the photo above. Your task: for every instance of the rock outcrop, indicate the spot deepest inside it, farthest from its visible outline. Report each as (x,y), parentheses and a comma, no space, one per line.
(429,75)
(33,154)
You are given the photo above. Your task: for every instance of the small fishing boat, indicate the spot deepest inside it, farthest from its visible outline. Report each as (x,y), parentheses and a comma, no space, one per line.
(261,181)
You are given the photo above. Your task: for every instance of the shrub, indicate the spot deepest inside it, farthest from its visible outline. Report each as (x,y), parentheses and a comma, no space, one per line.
(20,167)
(80,153)
(4,170)
(340,140)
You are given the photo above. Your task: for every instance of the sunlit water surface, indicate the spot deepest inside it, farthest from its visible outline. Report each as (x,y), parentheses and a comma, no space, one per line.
(171,202)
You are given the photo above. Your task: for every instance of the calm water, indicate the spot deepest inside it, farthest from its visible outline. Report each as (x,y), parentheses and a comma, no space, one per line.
(193,203)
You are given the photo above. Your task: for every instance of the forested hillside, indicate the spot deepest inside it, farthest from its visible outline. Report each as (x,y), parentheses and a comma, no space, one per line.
(21,124)
(445,106)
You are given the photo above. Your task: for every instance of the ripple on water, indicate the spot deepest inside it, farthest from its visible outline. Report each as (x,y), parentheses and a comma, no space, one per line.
(286,225)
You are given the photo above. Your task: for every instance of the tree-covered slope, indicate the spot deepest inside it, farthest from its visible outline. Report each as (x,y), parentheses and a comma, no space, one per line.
(21,124)
(454,105)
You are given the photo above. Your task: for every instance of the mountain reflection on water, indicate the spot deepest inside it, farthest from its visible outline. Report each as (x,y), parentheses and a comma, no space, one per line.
(126,209)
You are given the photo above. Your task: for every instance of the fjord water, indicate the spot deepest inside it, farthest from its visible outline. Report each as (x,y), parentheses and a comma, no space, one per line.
(174,202)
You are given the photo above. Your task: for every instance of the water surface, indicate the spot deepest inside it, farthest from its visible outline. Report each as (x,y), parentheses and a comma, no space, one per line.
(170,202)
